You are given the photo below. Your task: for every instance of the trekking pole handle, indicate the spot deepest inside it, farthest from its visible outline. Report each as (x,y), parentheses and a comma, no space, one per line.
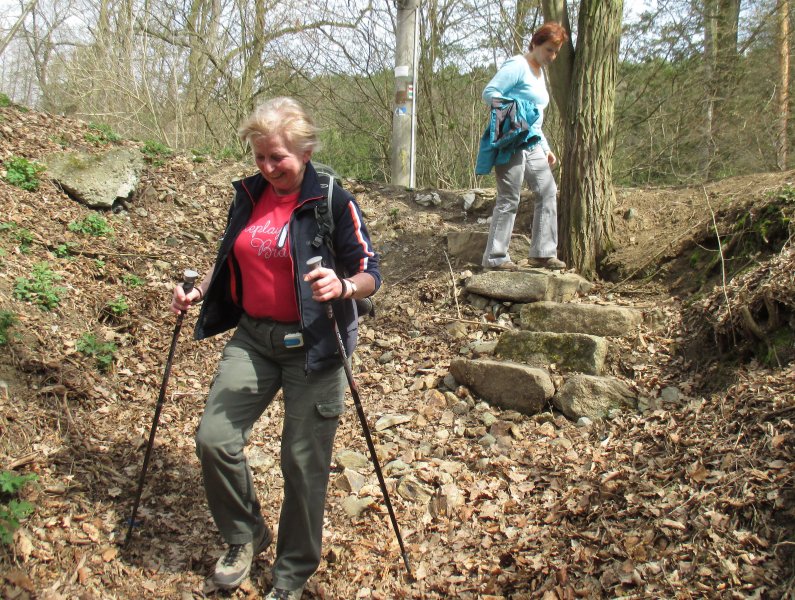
(189,277)
(314,263)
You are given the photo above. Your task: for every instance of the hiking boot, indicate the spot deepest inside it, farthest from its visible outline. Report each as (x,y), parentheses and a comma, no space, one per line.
(234,565)
(280,594)
(508,265)
(547,263)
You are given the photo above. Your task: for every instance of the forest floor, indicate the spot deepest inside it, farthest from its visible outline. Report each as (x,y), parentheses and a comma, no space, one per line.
(690,496)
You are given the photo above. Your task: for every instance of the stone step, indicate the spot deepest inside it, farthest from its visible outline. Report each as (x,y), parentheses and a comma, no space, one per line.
(510,386)
(593,397)
(578,352)
(532,285)
(593,319)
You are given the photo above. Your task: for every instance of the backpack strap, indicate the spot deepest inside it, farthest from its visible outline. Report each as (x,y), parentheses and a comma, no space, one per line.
(324,216)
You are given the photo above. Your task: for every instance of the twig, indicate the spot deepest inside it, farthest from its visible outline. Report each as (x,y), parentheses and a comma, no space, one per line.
(455,290)
(720,249)
(481,323)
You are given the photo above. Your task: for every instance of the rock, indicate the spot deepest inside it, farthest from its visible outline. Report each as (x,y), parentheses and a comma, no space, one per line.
(533,285)
(593,397)
(569,351)
(97,180)
(670,394)
(488,419)
(351,459)
(449,381)
(395,468)
(388,421)
(487,440)
(428,199)
(350,481)
(446,501)
(592,319)
(411,489)
(505,384)
(354,506)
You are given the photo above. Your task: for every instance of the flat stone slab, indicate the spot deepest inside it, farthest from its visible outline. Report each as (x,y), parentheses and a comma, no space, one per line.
(507,385)
(593,397)
(97,180)
(571,352)
(593,319)
(532,285)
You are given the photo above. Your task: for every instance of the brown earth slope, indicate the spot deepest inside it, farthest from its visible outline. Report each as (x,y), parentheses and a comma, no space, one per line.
(691,497)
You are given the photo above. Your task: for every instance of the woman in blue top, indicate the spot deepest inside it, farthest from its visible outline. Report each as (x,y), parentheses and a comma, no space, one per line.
(522,78)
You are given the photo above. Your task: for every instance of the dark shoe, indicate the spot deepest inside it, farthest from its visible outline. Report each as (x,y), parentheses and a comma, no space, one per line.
(280,594)
(234,565)
(547,263)
(508,265)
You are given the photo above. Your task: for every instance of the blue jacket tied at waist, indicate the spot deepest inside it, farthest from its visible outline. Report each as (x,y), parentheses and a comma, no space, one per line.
(508,131)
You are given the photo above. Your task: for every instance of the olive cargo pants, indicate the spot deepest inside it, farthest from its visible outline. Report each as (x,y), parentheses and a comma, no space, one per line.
(254,366)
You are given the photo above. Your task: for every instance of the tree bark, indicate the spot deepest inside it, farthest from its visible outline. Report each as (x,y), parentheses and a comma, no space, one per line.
(721,22)
(783,84)
(561,71)
(587,196)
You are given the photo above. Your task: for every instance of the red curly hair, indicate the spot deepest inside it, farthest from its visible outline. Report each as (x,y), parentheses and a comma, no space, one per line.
(549,32)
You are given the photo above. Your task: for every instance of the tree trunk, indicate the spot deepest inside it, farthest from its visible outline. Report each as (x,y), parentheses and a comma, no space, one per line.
(783,84)
(587,196)
(560,72)
(721,21)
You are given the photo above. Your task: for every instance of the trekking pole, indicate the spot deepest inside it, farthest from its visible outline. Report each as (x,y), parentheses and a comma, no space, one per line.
(313,263)
(189,278)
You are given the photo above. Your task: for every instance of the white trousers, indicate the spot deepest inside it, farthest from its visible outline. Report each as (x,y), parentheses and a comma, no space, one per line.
(529,166)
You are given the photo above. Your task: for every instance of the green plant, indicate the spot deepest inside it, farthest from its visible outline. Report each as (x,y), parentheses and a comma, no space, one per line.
(132,280)
(155,152)
(23,173)
(200,155)
(7,320)
(62,250)
(118,306)
(40,288)
(100,134)
(227,153)
(60,140)
(12,509)
(92,224)
(103,352)
(99,263)
(5,101)
(25,239)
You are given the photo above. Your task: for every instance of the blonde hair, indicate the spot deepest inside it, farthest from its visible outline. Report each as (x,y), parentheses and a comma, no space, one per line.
(282,116)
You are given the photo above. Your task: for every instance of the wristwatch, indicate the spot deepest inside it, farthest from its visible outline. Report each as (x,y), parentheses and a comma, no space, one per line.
(354,288)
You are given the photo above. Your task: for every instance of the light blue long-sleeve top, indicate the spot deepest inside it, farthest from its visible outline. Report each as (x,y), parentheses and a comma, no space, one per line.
(515,79)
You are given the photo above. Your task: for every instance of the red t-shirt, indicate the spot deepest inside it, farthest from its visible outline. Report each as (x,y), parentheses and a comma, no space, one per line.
(263,252)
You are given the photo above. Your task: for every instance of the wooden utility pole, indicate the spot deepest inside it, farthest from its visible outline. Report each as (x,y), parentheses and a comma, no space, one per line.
(403,117)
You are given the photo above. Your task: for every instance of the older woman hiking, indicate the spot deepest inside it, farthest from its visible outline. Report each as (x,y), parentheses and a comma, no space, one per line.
(261,285)
(521,79)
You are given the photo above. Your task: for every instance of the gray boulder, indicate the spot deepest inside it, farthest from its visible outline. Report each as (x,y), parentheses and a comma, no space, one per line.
(593,397)
(569,351)
(504,384)
(580,318)
(97,180)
